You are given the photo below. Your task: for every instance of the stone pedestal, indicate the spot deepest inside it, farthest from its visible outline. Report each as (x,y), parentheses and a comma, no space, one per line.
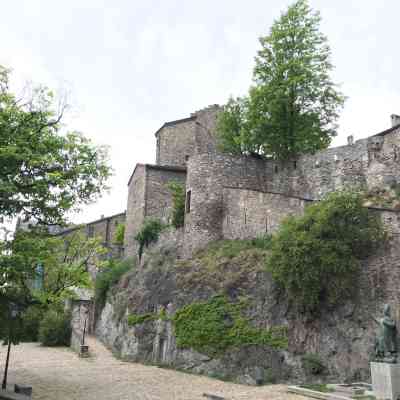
(385,380)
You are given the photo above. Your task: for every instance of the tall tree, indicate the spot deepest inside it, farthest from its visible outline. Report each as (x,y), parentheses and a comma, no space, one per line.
(293,106)
(44,173)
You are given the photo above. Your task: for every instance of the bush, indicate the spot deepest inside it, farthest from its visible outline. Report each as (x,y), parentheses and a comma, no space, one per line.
(149,233)
(178,203)
(312,364)
(135,319)
(119,234)
(214,326)
(55,328)
(108,277)
(30,323)
(315,258)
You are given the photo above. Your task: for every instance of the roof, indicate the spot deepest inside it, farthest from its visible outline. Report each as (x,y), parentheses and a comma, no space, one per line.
(387,131)
(176,122)
(77,227)
(159,167)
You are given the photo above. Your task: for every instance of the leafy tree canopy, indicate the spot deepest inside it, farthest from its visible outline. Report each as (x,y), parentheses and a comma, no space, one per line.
(293,106)
(38,270)
(43,173)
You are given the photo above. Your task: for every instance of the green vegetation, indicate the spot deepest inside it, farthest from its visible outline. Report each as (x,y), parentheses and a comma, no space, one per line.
(135,319)
(44,172)
(233,248)
(214,326)
(312,364)
(149,233)
(108,277)
(30,323)
(55,328)
(293,106)
(224,265)
(318,387)
(178,202)
(42,271)
(315,257)
(119,234)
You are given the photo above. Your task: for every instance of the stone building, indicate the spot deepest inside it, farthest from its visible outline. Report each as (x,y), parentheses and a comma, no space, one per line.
(235,197)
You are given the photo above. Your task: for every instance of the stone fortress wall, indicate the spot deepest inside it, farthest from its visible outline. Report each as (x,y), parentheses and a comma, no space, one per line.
(239,197)
(236,197)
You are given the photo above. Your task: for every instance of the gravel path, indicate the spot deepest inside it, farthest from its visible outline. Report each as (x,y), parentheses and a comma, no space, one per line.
(59,374)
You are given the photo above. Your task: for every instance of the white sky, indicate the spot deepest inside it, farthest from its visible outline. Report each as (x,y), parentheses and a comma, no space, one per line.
(131,65)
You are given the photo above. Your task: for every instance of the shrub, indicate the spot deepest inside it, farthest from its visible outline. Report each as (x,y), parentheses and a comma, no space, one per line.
(214,326)
(135,319)
(30,323)
(178,203)
(149,233)
(315,257)
(312,364)
(108,277)
(55,328)
(119,234)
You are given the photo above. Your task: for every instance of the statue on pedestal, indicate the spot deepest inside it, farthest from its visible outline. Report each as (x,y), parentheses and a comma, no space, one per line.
(386,341)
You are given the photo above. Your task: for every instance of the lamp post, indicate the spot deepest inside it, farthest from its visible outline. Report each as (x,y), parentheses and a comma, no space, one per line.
(12,316)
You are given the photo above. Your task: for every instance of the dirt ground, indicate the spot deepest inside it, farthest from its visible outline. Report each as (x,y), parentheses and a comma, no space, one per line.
(59,374)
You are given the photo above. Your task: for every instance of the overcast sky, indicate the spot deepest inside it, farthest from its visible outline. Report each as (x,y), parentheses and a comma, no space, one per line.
(131,65)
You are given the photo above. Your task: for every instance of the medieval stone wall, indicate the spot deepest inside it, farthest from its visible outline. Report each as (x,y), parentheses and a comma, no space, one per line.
(149,196)
(176,143)
(252,213)
(208,174)
(135,210)
(368,163)
(158,196)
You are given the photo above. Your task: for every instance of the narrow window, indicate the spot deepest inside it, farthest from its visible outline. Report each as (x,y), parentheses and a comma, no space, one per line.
(186,158)
(276,169)
(188,200)
(90,231)
(295,164)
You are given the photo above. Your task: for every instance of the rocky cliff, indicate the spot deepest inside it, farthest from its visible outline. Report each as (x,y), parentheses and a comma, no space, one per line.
(334,345)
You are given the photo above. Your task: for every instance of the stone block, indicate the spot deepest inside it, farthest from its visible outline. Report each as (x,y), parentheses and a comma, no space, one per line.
(385,380)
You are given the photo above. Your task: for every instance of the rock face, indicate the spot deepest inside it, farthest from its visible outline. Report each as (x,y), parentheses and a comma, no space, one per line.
(338,341)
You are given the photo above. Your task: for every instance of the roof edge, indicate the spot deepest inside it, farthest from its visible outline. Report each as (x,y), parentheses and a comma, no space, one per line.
(175,122)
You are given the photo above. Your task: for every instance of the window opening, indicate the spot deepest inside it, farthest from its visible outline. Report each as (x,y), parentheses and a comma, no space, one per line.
(188,201)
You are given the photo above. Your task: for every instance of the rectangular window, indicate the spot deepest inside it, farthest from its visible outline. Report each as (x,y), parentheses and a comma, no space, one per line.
(188,200)
(90,231)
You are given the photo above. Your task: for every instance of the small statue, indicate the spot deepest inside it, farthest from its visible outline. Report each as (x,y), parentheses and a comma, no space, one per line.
(386,341)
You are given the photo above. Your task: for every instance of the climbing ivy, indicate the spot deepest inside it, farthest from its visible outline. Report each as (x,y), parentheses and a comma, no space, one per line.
(214,326)
(178,203)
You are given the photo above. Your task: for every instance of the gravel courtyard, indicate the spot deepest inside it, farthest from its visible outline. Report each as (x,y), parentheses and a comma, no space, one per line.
(58,374)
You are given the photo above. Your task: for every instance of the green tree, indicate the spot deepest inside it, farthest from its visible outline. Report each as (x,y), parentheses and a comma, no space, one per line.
(37,270)
(316,258)
(44,173)
(293,106)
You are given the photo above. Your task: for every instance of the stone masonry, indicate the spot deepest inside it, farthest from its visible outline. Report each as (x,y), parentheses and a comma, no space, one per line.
(240,197)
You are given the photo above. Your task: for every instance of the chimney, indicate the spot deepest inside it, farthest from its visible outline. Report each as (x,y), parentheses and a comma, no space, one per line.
(350,140)
(395,119)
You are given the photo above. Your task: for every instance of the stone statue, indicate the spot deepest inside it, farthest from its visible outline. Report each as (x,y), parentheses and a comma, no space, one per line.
(386,341)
